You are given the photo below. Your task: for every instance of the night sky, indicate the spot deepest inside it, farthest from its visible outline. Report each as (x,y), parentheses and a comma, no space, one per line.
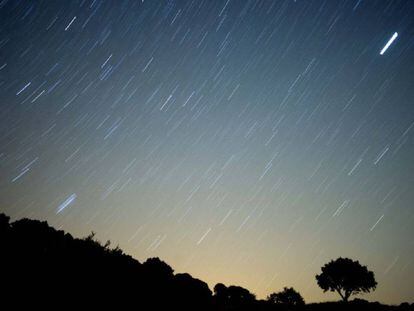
(243,142)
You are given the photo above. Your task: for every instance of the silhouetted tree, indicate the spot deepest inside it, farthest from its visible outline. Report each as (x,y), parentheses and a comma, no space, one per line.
(240,295)
(233,297)
(220,289)
(158,268)
(191,293)
(346,277)
(288,297)
(220,295)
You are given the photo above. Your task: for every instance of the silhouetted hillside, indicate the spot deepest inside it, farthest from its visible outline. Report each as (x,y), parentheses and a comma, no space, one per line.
(47,267)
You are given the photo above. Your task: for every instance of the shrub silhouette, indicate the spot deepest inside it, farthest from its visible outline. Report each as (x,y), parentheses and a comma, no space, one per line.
(346,277)
(289,297)
(39,262)
(233,297)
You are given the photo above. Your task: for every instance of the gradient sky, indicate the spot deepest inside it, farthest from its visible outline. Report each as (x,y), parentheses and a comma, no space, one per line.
(244,142)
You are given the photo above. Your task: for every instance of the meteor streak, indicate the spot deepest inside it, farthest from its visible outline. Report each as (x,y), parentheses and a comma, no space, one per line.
(390,41)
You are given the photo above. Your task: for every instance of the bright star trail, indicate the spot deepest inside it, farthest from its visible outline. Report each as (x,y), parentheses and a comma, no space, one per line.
(243,142)
(66,203)
(392,39)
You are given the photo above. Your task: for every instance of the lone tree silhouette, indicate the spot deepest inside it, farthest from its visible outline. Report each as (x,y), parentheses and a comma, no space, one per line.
(346,277)
(288,297)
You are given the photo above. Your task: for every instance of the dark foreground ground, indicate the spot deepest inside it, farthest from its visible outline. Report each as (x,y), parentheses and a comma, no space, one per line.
(48,268)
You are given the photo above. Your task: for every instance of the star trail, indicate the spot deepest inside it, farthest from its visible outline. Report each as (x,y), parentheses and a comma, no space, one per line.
(243,142)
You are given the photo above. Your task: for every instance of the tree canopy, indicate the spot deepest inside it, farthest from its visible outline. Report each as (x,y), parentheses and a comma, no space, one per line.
(346,277)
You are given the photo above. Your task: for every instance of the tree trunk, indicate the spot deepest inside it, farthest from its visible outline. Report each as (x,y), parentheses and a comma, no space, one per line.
(347,294)
(340,294)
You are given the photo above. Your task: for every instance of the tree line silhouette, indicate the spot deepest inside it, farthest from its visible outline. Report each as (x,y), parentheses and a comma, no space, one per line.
(46,267)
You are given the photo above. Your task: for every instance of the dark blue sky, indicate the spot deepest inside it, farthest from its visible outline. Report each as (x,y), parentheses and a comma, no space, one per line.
(244,142)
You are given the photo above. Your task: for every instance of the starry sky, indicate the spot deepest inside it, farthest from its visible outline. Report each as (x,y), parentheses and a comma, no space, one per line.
(243,142)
